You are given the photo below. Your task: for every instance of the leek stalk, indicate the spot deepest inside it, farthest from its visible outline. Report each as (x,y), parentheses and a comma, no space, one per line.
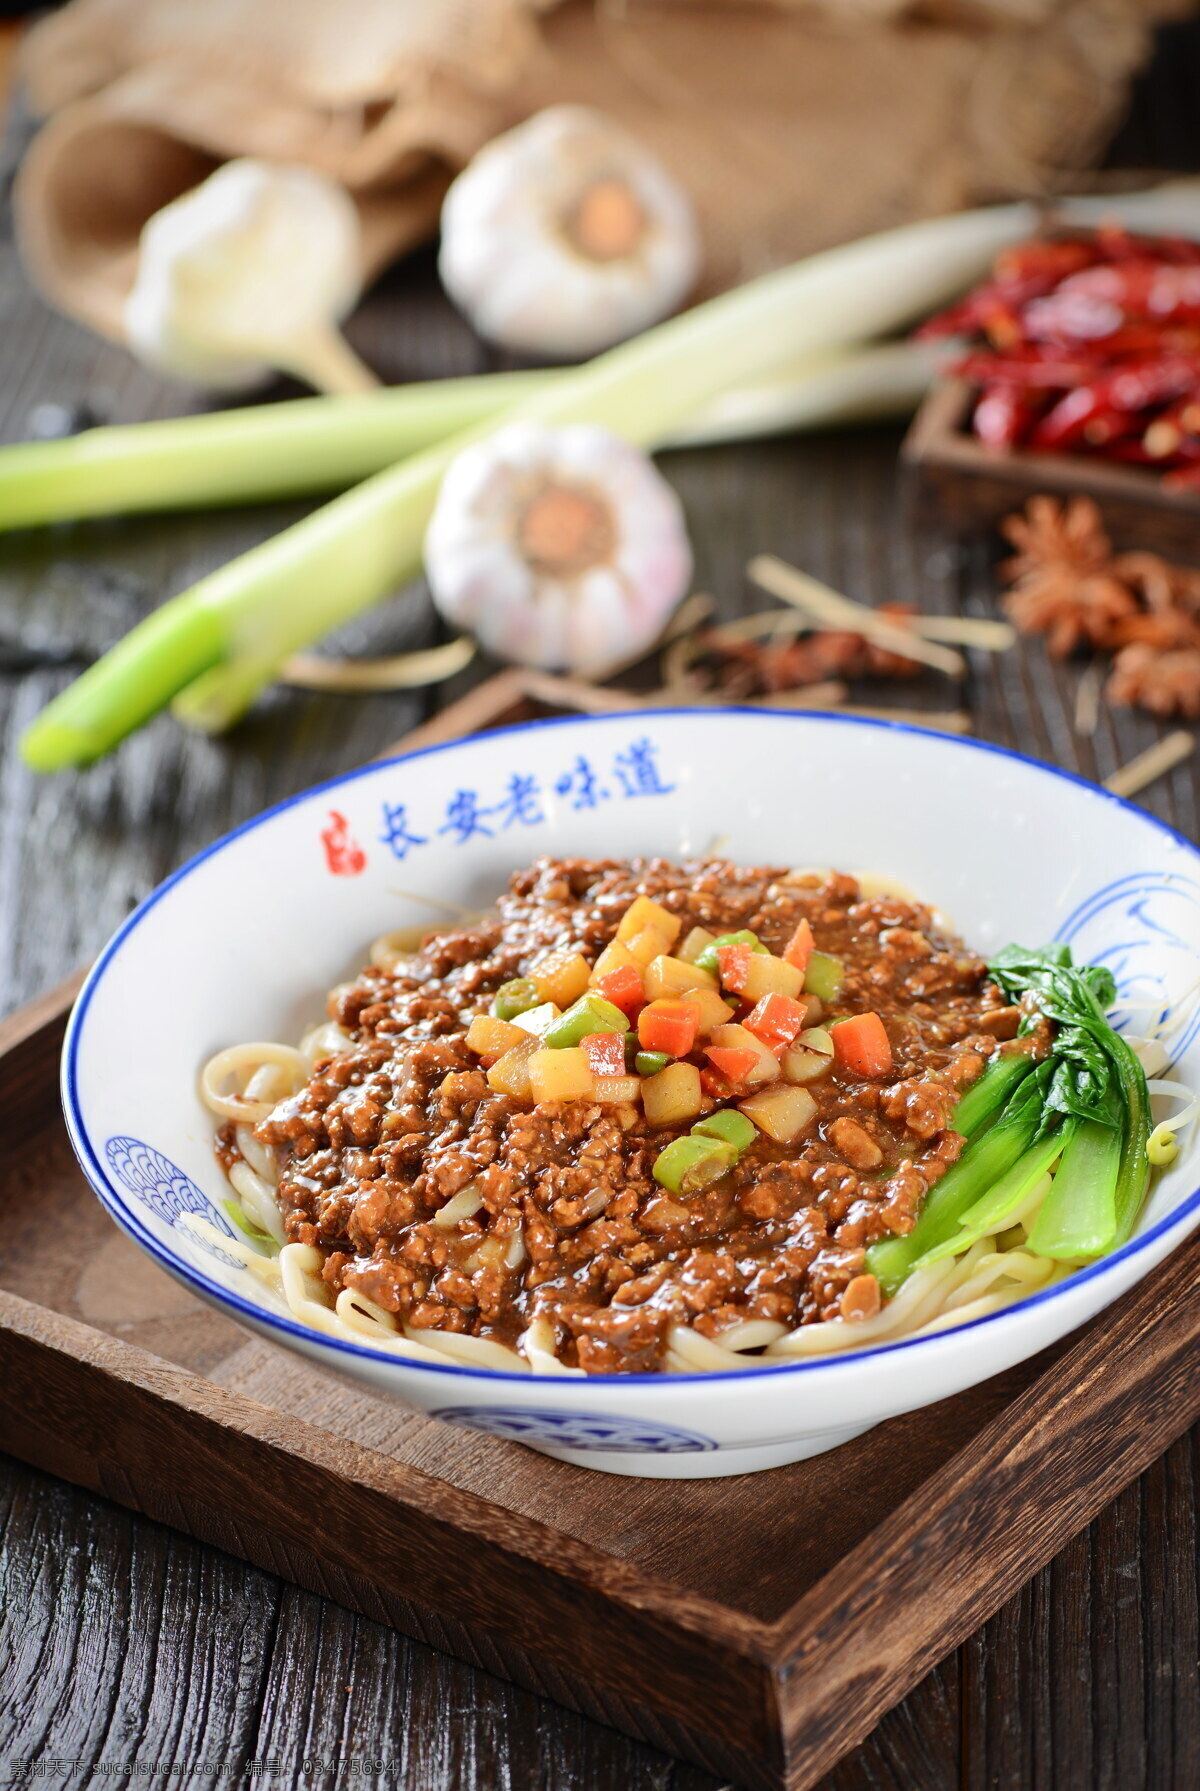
(358,549)
(221,642)
(306,447)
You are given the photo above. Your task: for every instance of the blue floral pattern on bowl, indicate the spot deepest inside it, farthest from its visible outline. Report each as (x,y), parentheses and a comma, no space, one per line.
(163,1187)
(1145,927)
(574,1430)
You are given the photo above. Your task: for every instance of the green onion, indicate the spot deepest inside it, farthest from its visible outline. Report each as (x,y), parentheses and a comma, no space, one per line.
(823,975)
(649,1063)
(591,1013)
(222,641)
(990,1213)
(984,1099)
(1078,1218)
(516,997)
(734,1128)
(691,1163)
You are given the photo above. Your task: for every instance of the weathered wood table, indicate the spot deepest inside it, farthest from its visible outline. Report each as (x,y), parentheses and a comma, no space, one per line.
(126,1648)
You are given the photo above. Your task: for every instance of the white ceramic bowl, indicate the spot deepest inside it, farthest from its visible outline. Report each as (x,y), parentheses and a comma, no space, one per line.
(243,942)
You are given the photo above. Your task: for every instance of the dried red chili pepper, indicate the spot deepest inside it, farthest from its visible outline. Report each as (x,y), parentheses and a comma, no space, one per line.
(1004,414)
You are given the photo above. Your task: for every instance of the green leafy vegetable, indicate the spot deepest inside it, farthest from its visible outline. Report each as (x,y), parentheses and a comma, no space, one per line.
(984,1099)
(1086,1101)
(1097,1076)
(981,1166)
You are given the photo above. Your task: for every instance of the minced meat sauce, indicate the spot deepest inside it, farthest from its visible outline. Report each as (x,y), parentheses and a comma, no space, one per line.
(388,1131)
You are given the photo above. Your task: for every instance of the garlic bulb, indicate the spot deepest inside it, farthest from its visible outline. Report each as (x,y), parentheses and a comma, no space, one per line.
(564,236)
(559,547)
(246,273)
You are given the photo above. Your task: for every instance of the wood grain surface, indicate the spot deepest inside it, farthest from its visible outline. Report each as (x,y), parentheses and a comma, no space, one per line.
(125,1645)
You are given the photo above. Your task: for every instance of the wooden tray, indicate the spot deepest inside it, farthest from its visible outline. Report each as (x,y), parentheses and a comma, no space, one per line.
(759,1626)
(964,485)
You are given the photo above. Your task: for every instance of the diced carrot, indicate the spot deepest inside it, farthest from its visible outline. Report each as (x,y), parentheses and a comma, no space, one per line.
(734,962)
(717,1087)
(798,946)
(776,1020)
(732,1062)
(605,1052)
(624,989)
(669,1026)
(862,1046)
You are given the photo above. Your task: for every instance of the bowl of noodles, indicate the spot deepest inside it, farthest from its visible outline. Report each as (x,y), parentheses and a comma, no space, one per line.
(676,1094)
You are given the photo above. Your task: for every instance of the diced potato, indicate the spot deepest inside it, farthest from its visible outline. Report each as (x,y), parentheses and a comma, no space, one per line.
(713,1011)
(561,976)
(647,945)
(740,1038)
(614,957)
(612,1090)
(510,1075)
(490,1038)
(560,1075)
(769,975)
(781,1112)
(666,977)
(694,944)
(673,1096)
(536,1019)
(642,913)
(802,1064)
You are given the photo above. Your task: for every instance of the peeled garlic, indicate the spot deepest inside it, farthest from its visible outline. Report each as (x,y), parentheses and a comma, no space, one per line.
(559,547)
(564,236)
(248,273)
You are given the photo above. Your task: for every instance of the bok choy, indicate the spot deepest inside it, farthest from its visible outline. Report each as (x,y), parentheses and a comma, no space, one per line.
(1085,1106)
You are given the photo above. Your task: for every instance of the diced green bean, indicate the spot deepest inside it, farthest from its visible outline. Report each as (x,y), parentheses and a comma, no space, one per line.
(691,1163)
(985,1097)
(823,975)
(709,960)
(591,1013)
(1078,1218)
(649,1063)
(734,1128)
(516,997)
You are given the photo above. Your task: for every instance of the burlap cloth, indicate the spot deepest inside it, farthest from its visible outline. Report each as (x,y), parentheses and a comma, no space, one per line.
(793,126)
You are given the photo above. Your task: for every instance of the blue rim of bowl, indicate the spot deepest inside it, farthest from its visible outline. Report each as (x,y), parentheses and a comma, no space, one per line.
(114,1203)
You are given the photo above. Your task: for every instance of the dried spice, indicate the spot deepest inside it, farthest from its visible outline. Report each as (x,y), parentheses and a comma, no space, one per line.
(759,667)
(1087,344)
(1069,585)
(1164,683)
(1063,585)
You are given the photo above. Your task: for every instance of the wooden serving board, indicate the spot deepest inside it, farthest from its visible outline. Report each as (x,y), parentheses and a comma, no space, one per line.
(759,1626)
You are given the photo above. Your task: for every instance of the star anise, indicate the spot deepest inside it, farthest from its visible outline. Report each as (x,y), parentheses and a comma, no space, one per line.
(1071,610)
(1166,683)
(1047,533)
(1063,581)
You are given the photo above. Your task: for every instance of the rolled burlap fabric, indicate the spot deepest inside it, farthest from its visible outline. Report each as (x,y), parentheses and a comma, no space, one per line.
(793,126)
